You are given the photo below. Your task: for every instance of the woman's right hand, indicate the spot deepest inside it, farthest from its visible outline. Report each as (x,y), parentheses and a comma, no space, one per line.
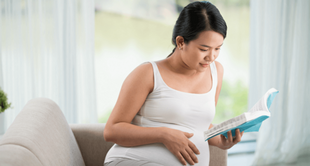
(178,143)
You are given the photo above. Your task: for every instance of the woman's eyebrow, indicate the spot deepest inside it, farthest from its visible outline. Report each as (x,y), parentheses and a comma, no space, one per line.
(209,46)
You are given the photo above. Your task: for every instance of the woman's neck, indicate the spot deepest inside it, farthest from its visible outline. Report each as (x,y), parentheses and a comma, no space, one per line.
(177,65)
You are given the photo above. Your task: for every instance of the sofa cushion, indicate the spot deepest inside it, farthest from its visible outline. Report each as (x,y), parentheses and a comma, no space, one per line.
(25,156)
(41,129)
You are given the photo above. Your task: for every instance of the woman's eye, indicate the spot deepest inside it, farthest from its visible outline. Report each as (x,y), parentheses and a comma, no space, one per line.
(203,50)
(218,48)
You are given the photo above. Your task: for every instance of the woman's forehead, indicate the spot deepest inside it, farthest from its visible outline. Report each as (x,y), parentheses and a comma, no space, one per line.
(209,38)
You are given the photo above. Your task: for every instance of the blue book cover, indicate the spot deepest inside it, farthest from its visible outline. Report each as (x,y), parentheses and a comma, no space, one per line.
(249,121)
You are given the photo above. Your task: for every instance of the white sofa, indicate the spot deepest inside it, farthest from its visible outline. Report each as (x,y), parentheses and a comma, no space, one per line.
(41,136)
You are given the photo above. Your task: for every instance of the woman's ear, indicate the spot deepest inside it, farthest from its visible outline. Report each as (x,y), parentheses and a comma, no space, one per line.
(180,42)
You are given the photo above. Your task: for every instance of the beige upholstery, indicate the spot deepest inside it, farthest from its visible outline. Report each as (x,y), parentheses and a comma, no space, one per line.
(91,142)
(43,133)
(218,157)
(41,136)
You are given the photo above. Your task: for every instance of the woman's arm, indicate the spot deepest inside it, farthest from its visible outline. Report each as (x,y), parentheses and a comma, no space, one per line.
(220,140)
(220,73)
(133,93)
(119,129)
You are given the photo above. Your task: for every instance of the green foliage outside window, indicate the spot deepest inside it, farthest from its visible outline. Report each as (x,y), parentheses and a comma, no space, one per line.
(104,118)
(4,104)
(233,101)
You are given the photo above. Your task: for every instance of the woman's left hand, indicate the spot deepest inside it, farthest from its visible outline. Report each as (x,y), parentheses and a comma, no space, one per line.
(230,141)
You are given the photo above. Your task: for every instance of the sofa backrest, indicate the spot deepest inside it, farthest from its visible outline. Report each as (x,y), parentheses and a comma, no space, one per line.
(91,142)
(40,135)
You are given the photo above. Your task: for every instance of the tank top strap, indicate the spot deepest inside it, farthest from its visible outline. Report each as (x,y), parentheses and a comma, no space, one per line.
(214,76)
(157,77)
(159,82)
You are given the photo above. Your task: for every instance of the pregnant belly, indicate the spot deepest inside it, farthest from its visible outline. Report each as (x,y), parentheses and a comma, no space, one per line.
(158,153)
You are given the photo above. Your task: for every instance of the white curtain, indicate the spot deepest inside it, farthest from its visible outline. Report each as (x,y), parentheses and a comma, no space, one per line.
(1,85)
(47,49)
(280,58)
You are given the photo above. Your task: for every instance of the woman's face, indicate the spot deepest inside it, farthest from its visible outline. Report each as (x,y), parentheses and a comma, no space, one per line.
(198,54)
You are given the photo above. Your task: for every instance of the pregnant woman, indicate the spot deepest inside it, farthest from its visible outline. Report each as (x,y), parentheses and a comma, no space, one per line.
(165,106)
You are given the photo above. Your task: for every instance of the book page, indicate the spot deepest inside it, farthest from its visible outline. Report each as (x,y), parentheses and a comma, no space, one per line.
(230,121)
(226,125)
(259,106)
(253,115)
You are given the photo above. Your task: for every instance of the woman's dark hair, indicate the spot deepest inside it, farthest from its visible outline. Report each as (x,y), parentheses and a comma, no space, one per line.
(195,18)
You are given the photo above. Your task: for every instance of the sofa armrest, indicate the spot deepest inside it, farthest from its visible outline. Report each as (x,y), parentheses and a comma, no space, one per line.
(40,136)
(218,157)
(91,142)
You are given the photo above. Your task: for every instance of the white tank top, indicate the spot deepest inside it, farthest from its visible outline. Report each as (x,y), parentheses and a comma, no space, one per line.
(167,107)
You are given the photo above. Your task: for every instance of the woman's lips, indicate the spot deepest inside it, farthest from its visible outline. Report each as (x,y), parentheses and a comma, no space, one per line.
(205,65)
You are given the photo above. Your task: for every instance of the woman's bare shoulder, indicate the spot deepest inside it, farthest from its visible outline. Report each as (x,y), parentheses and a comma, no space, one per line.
(219,68)
(145,69)
(141,76)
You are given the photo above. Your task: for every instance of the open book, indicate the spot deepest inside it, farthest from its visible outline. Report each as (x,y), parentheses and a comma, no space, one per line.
(249,121)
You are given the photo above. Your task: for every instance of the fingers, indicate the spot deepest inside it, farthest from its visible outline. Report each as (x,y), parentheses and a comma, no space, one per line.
(229,135)
(230,141)
(223,138)
(190,156)
(182,147)
(188,135)
(193,147)
(238,136)
(181,158)
(187,155)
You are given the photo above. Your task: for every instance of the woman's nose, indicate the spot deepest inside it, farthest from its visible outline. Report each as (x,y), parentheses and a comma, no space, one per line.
(210,57)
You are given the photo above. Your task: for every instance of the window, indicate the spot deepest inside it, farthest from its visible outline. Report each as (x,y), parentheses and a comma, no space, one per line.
(128,33)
